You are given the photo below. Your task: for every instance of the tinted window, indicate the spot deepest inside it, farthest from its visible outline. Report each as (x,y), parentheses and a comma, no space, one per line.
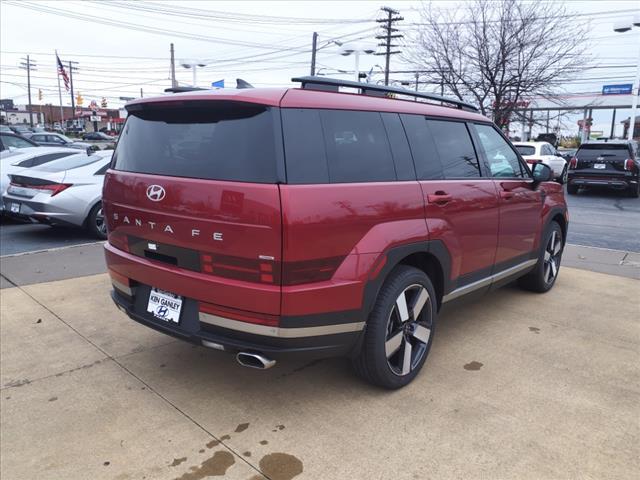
(526,149)
(610,151)
(16,142)
(304,146)
(503,161)
(42,159)
(455,149)
(423,148)
(70,162)
(399,146)
(357,147)
(221,141)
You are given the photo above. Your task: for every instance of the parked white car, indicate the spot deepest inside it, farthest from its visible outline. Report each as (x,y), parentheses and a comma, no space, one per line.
(11,161)
(543,152)
(67,191)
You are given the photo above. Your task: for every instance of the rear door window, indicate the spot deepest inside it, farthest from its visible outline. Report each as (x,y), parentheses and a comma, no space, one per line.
(217,140)
(423,148)
(455,149)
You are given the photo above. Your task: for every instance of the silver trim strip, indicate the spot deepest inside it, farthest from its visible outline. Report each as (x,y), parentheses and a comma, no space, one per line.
(268,331)
(122,287)
(458,292)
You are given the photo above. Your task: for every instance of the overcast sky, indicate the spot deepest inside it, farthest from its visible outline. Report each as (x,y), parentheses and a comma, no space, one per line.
(122,46)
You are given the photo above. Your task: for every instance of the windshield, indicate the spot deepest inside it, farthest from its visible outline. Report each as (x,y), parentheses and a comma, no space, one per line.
(526,149)
(218,141)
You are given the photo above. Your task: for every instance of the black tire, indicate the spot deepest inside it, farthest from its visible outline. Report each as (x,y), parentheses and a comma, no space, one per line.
(562,179)
(409,340)
(634,192)
(543,277)
(95,222)
(572,189)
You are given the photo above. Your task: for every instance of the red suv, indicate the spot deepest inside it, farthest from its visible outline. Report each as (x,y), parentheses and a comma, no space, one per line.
(308,221)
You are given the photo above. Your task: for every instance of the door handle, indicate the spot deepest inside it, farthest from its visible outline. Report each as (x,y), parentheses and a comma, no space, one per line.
(506,194)
(439,198)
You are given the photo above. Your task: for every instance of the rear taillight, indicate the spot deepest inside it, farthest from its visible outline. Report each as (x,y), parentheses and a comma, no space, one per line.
(629,164)
(54,188)
(533,161)
(249,317)
(259,270)
(308,271)
(573,163)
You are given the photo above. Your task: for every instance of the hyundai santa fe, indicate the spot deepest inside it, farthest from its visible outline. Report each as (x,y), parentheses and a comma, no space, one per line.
(313,222)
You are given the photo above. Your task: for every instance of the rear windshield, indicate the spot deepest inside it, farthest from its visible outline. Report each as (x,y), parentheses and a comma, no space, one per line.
(526,149)
(610,151)
(70,162)
(216,141)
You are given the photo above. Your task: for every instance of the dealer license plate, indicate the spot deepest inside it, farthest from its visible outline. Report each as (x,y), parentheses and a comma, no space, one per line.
(164,305)
(15,208)
(600,166)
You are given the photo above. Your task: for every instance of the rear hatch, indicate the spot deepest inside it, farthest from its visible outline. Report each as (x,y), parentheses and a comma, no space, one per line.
(601,159)
(193,190)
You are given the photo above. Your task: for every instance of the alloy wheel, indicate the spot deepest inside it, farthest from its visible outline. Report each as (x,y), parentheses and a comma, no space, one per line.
(101,225)
(408,329)
(552,257)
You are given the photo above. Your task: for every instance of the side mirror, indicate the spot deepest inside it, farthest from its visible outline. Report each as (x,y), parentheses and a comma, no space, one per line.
(541,173)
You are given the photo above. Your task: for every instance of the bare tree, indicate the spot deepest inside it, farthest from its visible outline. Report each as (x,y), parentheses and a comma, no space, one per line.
(498,53)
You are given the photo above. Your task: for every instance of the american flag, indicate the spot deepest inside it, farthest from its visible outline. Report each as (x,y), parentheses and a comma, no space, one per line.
(62,71)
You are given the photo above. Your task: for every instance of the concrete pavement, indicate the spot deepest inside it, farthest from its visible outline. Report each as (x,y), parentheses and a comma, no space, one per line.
(517,385)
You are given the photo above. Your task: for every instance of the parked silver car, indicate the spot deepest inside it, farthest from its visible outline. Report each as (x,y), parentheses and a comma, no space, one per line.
(63,192)
(52,139)
(13,160)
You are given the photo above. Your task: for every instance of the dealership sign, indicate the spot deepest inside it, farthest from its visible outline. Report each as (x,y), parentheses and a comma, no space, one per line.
(622,89)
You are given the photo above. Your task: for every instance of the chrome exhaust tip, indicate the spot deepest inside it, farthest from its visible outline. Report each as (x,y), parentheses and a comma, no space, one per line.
(254,360)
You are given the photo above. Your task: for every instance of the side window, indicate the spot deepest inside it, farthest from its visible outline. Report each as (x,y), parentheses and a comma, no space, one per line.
(54,139)
(455,149)
(11,141)
(399,146)
(304,146)
(357,147)
(423,148)
(503,161)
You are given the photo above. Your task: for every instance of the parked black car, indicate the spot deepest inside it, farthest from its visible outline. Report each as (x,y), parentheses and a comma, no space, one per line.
(610,163)
(100,136)
(567,153)
(551,138)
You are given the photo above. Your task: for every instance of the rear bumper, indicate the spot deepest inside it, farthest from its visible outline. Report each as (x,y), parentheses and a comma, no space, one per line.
(44,212)
(194,328)
(621,181)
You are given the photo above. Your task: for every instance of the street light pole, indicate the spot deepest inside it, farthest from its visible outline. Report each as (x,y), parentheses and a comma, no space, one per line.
(635,89)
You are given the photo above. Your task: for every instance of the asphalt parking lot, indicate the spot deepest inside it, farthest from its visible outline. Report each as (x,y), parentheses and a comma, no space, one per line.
(517,385)
(599,218)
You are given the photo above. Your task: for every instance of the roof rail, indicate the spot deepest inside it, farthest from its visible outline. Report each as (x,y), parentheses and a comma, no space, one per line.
(182,89)
(333,84)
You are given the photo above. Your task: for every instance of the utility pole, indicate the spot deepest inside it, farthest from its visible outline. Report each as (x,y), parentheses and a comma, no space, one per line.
(388,36)
(73,100)
(141,95)
(314,48)
(27,65)
(173,68)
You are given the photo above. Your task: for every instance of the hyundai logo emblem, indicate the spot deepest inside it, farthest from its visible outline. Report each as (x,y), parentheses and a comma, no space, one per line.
(155,193)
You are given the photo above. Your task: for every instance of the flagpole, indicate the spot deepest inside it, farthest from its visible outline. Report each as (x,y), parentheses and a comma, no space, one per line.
(59,94)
